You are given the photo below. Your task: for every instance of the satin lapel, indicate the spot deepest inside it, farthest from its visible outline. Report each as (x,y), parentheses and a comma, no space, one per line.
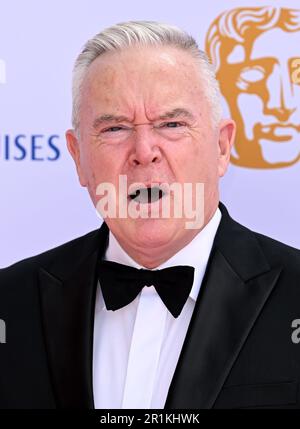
(233,293)
(68,321)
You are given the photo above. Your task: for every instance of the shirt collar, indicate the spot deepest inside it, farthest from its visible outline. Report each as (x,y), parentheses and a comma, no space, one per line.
(195,253)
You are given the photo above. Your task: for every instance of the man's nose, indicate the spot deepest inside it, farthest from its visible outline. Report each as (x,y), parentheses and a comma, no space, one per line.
(281,99)
(145,146)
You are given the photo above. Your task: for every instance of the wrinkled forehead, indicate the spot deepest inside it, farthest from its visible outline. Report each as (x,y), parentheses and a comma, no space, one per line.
(140,62)
(152,75)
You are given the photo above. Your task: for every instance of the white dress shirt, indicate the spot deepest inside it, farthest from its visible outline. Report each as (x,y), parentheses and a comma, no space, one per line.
(136,348)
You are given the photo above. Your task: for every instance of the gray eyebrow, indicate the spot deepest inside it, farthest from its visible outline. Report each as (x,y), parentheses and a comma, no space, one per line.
(108,118)
(174,113)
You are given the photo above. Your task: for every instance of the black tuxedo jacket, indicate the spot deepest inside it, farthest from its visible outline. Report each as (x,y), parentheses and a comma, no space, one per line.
(238,351)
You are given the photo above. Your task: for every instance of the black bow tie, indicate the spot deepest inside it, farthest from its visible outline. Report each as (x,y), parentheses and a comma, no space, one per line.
(121,284)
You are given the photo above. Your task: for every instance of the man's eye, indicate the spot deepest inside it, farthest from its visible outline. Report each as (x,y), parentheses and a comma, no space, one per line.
(112,129)
(174,124)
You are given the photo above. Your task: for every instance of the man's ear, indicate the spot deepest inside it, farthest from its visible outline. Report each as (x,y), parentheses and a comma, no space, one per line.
(227,129)
(74,149)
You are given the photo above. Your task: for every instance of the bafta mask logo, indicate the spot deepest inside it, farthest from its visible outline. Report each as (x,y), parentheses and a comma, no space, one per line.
(256,52)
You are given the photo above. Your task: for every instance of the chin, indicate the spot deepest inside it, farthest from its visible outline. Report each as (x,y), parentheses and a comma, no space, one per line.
(153,232)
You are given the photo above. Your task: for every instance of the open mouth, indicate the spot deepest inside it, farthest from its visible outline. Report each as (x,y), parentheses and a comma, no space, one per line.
(147,195)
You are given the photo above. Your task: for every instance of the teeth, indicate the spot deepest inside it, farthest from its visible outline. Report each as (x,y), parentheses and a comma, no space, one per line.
(147,195)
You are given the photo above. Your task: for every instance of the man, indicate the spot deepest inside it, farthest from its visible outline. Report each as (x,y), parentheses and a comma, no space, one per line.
(152,312)
(256,50)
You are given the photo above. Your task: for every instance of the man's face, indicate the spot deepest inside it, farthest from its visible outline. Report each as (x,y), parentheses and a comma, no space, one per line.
(264,100)
(144,114)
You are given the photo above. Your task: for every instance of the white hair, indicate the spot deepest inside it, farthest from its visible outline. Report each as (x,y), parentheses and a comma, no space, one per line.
(146,33)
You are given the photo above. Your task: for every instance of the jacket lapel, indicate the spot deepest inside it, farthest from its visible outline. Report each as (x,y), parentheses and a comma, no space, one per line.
(236,285)
(67,292)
